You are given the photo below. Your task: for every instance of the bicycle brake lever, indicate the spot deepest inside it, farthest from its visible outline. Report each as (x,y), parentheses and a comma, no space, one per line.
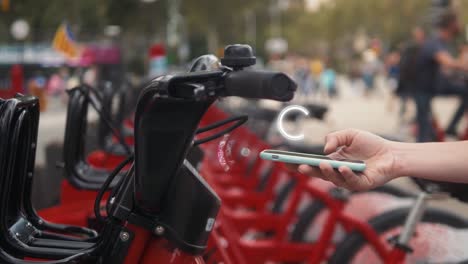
(188,90)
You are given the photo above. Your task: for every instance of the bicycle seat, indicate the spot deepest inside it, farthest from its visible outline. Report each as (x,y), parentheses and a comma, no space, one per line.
(77,170)
(456,190)
(22,232)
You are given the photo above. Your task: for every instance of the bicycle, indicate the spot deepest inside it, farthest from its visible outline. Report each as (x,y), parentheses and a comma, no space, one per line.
(142,205)
(398,247)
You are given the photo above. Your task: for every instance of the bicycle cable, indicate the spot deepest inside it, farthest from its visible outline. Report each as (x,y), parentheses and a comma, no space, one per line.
(105,116)
(105,186)
(240,121)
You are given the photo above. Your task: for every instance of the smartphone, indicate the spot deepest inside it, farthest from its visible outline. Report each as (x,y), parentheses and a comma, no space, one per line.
(310,159)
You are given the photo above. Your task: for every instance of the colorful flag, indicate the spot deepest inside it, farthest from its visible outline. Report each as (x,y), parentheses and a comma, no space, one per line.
(65,43)
(5,5)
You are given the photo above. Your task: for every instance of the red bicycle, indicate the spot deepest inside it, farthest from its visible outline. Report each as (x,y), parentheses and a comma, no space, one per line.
(148,220)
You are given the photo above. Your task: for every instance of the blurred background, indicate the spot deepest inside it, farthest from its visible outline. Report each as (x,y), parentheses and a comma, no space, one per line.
(336,31)
(344,54)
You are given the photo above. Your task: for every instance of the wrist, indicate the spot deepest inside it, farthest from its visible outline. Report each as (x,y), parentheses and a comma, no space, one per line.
(400,159)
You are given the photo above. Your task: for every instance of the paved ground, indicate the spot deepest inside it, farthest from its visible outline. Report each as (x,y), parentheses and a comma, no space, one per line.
(52,127)
(376,113)
(379,113)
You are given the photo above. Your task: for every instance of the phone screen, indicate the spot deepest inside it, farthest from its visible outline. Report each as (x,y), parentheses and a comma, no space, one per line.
(305,155)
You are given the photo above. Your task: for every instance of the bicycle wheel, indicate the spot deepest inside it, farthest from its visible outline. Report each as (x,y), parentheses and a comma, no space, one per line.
(355,243)
(306,218)
(282,196)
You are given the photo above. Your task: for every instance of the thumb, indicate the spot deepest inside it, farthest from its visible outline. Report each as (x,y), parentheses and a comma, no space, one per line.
(338,139)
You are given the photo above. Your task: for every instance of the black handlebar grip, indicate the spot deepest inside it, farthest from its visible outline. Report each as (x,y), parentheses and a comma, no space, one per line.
(260,85)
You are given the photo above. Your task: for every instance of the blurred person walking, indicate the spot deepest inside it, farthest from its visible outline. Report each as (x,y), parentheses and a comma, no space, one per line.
(328,83)
(407,74)
(460,84)
(316,69)
(37,87)
(392,66)
(354,75)
(91,75)
(369,69)
(392,70)
(57,82)
(303,78)
(429,79)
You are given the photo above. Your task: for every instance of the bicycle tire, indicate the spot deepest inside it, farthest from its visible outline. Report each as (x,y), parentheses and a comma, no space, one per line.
(306,217)
(282,196)
(348,248)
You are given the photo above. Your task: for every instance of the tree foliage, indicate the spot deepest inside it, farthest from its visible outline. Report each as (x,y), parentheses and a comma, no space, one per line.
(333,25)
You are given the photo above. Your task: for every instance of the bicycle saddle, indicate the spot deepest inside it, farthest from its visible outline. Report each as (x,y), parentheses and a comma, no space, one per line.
(456,190)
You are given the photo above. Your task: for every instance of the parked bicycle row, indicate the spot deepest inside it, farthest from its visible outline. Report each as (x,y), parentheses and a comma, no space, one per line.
(176,178)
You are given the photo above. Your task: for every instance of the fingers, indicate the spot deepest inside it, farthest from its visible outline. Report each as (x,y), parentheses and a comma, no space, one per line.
(291,166)
(343,177)
(331,174)
(339,139)
(310,171)
(353,181)
(324,171)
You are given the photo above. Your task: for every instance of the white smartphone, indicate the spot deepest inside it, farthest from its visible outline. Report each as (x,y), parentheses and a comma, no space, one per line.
(310,159)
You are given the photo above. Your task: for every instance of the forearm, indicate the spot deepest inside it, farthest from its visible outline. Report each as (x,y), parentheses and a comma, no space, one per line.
(434,161)
(446,60)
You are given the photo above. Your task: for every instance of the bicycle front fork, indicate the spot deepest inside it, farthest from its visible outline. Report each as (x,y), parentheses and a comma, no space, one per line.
(401,246)
(413,218)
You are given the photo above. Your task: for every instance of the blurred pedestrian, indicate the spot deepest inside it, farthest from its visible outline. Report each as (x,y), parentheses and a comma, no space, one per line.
(91,75)
(429,78)
(57,82)
(406,79)
(316,69)
(302,76)
(369,69)
(458,82)
(392,66)
(37,88)
(328,82)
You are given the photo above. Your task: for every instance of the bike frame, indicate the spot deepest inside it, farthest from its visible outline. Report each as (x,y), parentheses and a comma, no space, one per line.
(147,248)
(261,251)
(278,248)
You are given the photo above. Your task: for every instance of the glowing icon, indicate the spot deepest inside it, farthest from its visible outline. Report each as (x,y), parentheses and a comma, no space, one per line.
(281,116)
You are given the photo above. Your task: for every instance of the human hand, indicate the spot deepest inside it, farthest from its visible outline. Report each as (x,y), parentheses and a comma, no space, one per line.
(354,144)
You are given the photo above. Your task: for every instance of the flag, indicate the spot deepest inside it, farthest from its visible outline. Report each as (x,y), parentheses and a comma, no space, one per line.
(5,5)
(65,43)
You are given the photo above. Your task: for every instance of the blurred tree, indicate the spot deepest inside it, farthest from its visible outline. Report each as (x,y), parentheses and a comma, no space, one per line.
(212,24)
(331,31)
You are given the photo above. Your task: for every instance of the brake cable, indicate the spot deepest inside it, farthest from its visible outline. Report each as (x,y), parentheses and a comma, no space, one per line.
(105,116)
(240,121)
(105,186)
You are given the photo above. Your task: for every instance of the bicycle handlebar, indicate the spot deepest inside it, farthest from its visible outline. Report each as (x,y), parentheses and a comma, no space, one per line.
(260,85)
(167,117)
